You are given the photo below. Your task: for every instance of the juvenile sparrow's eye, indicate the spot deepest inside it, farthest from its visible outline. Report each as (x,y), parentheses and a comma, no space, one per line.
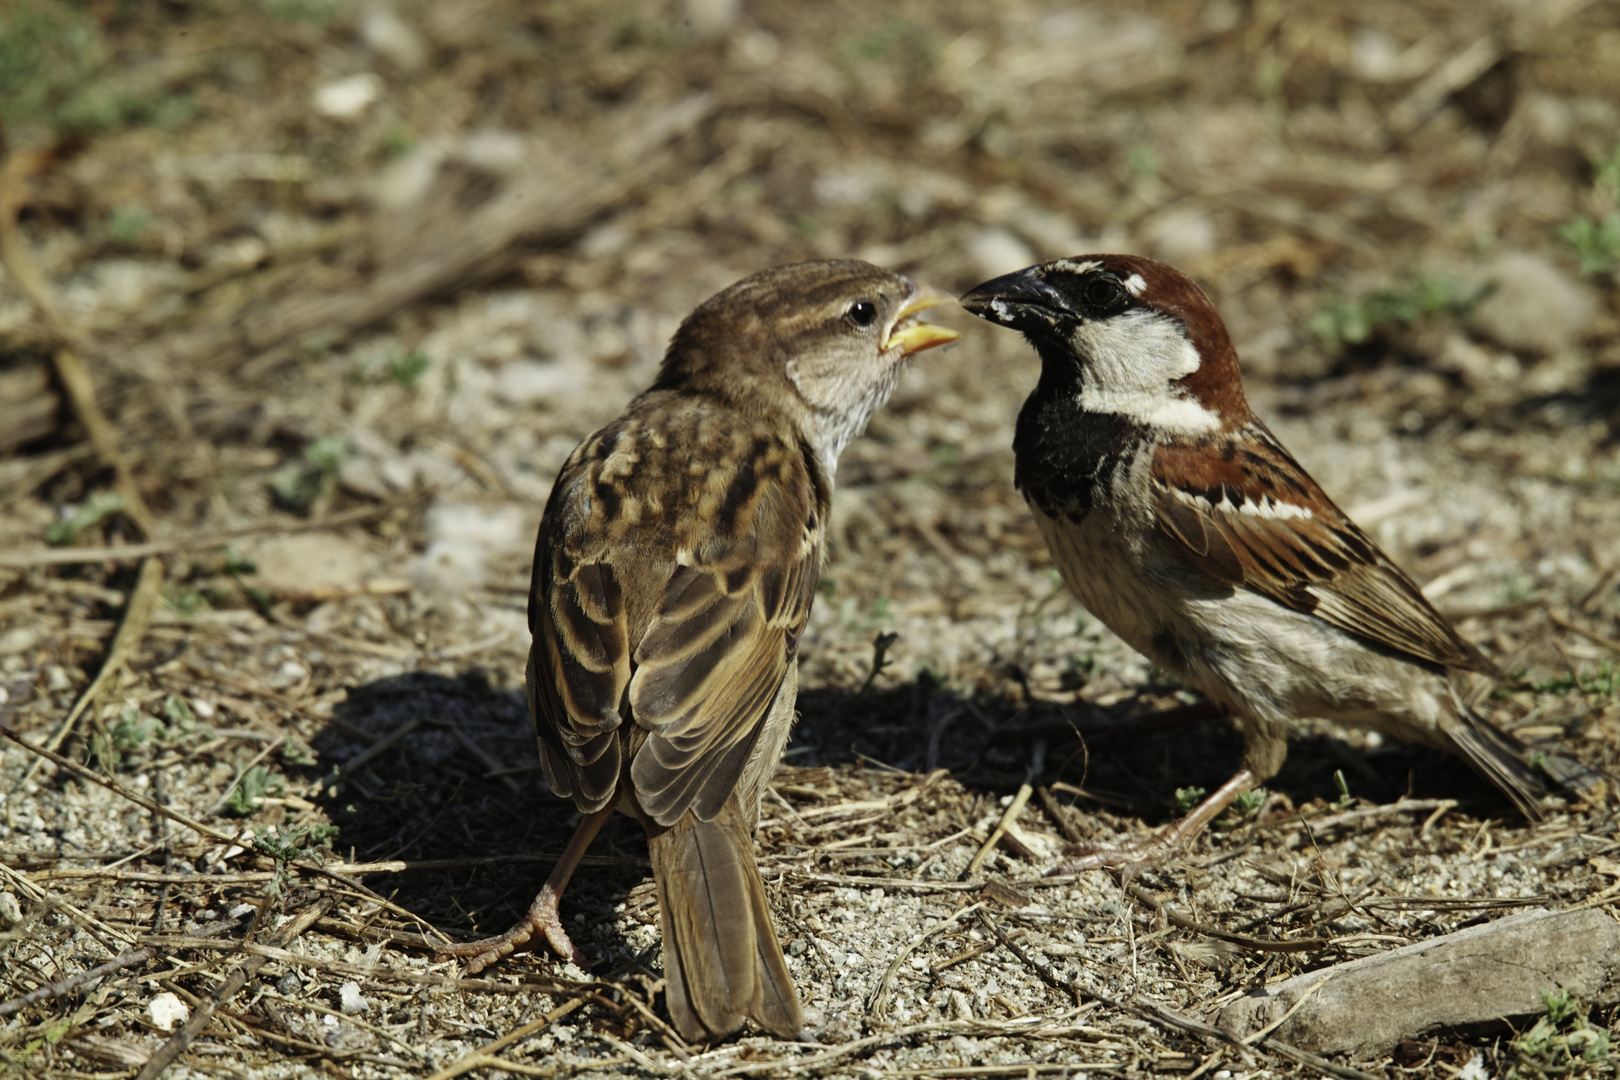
(862,313)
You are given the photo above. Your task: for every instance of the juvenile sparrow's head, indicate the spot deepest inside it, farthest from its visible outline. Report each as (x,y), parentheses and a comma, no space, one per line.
(1137,339)
(822,343)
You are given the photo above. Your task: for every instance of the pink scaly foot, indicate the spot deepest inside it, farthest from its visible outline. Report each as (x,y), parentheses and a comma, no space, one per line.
(542,918)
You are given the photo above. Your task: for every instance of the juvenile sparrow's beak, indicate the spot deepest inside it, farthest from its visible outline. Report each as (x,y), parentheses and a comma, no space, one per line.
(1022,300)
(910,336)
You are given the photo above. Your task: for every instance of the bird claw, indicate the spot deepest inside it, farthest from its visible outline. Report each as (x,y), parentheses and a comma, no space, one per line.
(542,919)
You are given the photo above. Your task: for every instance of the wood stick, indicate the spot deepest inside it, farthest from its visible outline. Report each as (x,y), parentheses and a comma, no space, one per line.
(234,982)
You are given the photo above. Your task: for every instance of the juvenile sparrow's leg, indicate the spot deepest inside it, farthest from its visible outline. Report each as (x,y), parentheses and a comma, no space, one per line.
(542,918)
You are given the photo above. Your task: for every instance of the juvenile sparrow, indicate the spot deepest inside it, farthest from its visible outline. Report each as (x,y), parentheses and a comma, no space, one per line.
(1180,521)
(676,563)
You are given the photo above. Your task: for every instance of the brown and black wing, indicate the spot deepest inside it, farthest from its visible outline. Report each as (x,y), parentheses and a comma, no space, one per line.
(672,598)
(725,630)
(579,661)
(1255,519)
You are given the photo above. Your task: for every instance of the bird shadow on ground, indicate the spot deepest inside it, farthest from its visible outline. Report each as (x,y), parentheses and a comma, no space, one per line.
(480,845)
(1139,758)
(407,763)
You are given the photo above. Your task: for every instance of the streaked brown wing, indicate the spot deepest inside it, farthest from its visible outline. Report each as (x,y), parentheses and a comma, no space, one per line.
(1241,518)
(672,597)
(579,662)
(716,651)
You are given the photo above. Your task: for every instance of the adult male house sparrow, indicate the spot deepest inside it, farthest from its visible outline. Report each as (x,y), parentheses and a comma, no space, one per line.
(676,563)
(1180,521)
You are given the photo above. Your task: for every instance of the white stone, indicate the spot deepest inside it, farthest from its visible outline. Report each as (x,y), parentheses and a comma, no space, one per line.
(167,1010)
(495,151)
(350,999)
(346,99)
(406,179)
(493,528)
(447,571)
(385,33)
(18,639)
(304,562)
(1535,305)
(1182,234)
(711,18)
(1375,56)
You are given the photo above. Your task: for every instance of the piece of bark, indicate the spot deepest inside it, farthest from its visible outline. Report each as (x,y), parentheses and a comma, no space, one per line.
(1481,974)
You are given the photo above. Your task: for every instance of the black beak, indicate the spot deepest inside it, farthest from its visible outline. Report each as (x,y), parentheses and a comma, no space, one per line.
(1023,301)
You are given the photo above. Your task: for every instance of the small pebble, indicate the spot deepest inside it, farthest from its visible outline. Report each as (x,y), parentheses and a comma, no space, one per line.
(167,1010)
(347,98)
(350,999)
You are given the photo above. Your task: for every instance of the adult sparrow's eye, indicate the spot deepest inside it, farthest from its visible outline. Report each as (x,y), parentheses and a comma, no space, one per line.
(862,313)
(1104,293)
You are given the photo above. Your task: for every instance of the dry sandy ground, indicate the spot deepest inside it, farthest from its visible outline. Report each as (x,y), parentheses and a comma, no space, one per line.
(351,280)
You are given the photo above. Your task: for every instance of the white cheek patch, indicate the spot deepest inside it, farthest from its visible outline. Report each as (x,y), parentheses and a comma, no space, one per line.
(1267,508)
(1130,363)
(1135,285)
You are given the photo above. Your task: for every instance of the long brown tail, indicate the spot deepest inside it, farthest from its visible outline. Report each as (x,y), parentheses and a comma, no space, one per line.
(722,960)
(1521,772)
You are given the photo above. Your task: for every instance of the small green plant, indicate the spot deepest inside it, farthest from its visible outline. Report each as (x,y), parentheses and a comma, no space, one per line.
(398,140)
(87,515)
(1248,804)
(1560,1041)
(898,44)
(237,563)
(407,369)
(1605,682)
(181,720)
(880,658)
(127,224)
(1345,799)
(310,12)
(1596,243)
(1596,236)
(257,784)
(808,226)
(57,78)
(184,599)
(1189,797)
(1143,163)
(1415,298)
(285,843)
(297,484)
(133,729)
